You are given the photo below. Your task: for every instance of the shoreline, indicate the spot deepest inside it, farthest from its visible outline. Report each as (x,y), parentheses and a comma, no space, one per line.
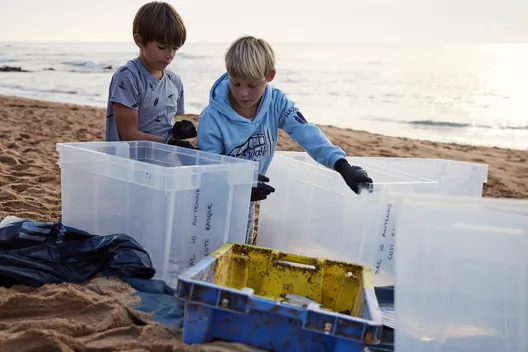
(30,176)
(425,138)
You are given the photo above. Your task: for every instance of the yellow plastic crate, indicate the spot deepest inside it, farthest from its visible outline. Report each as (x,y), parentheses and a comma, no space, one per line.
(267,298)
(336,285)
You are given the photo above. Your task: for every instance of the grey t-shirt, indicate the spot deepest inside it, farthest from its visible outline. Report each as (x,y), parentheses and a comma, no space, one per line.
(157,101)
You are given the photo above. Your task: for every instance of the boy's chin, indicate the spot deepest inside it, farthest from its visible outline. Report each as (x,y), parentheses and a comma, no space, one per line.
(248,104)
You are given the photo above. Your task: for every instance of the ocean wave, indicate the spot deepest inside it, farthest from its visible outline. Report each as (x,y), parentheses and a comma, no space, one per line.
(88,65)
(53,90)
(193,57)
(53,55)
(2,60)
(451,124)
(464,125)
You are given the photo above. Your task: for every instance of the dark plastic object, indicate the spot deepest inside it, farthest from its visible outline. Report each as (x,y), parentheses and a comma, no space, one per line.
(38,253)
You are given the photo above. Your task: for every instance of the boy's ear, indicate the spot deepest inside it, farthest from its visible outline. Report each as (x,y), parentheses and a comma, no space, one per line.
(271,76)
(138,40)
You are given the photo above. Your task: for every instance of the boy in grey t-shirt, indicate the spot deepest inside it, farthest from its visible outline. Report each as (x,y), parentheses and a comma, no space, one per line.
(144,96)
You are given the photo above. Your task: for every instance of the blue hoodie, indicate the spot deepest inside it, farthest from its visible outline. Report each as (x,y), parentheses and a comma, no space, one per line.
(223,131)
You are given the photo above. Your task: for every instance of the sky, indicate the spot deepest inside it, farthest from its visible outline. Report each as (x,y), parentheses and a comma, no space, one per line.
(276,20)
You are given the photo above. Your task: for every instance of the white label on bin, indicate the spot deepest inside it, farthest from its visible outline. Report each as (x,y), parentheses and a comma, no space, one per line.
(384,258)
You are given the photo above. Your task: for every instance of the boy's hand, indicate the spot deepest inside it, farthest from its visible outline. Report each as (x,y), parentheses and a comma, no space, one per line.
(262,191)
(353,175)
(183,130)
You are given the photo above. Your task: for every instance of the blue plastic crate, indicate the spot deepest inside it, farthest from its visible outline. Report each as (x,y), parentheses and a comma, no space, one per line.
(243,293)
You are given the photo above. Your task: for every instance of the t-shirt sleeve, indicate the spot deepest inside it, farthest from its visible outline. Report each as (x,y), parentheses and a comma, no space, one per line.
(124,88)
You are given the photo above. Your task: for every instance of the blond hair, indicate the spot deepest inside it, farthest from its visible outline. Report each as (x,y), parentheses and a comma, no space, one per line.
(250,59)
(161,22)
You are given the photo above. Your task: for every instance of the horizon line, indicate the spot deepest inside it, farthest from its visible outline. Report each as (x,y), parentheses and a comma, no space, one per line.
(417,42)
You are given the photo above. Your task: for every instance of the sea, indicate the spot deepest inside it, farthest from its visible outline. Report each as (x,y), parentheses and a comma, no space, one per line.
(469,94)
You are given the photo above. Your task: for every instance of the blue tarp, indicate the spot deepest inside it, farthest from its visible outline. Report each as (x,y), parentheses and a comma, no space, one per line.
(157,297)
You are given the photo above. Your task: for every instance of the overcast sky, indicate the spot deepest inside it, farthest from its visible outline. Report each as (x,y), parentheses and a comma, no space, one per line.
(276,20)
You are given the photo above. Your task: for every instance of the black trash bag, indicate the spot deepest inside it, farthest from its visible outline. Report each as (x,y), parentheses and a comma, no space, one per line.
(38,253)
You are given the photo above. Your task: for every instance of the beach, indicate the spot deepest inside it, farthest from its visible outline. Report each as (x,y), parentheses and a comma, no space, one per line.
(30,176)
(49,317)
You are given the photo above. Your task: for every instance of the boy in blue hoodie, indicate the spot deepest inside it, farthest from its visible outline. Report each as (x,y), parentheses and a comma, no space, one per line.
(245,114)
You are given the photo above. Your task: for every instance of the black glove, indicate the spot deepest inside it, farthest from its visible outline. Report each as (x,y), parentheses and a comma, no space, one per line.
(353,175)
(262,190)
(183,130)
(180,143)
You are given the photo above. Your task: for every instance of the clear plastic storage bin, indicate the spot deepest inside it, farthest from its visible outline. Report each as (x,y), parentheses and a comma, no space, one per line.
(454,177)
(314,213)
(462,275)
(179,204)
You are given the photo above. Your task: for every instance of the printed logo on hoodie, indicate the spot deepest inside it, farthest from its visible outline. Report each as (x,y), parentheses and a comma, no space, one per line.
(255,147)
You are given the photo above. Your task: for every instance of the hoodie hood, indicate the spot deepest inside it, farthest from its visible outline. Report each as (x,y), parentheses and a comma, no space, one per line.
(218,99)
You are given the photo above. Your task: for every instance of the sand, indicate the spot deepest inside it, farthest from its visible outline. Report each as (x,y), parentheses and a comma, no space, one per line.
(93,317)
(97,316)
